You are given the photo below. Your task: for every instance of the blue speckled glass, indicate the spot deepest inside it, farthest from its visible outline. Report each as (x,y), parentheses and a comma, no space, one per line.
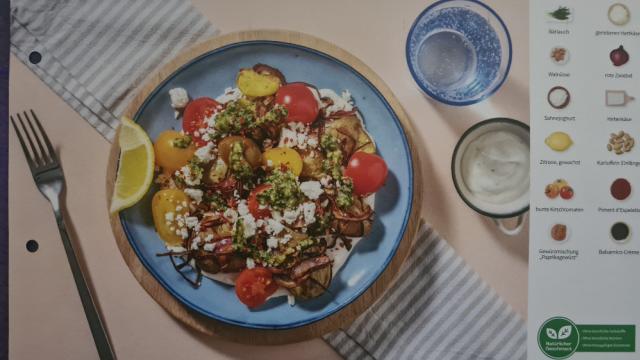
(209,75)
(459,51)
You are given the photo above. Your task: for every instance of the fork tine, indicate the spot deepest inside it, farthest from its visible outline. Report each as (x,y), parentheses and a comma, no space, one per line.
(46,158)
(34,151)
(24,146)
(52,153)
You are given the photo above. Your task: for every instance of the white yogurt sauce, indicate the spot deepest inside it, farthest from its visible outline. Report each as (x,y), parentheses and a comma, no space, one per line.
(495,167)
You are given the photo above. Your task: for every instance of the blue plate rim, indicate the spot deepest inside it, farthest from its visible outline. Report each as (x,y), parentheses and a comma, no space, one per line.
(425,88)
(398,239)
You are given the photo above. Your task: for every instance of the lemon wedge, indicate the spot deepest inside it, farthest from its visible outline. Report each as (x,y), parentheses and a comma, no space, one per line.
(135,170)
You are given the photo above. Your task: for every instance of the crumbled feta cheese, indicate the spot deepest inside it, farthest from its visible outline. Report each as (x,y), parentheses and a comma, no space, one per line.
(249,223)
(210,121)
(230,215)
(250,263)
(325,181)
(295,135)
(288,138)
(297,126)
(188,177)
(290,216)
(191,221)
(169,216)
(274,227)
(272,242)
(204,153)
(340,103)
(184,233)
(270,163)
(194,243)
(309,212)
(195,194)
(312,141)
(276,215)
(179,98)
(291,300)
(209,246)
(243,209)
(302,140)
(178,208)
(311,189)
(285,239)
(208,238)
(230,94)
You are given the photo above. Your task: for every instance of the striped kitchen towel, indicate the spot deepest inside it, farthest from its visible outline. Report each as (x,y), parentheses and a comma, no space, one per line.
(437,309)
(93,53)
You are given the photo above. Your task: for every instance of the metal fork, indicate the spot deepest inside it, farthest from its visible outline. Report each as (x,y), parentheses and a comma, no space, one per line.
(47,173)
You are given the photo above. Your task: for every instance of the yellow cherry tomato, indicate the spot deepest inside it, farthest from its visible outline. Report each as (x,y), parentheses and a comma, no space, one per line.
(166,206)
(283,156)
(173,150)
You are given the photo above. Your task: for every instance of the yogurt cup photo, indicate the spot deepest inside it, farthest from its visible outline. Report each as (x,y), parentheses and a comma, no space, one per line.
(490,170)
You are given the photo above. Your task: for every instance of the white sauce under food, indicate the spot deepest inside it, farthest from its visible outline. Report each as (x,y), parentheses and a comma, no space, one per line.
(495,167)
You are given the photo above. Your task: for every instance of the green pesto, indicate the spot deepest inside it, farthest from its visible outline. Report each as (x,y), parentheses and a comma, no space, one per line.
(270,258)
(274,116)
(238,164)
(215,201)
(344,199)
(238,242)
(197,171)
(237,115)
(332,164)
(284,192)
(181,142)
(240,115)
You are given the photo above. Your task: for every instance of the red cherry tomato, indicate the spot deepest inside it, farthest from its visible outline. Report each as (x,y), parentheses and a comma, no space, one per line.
(299,101)
(254,286)
(254,205)
(196,112)
(368,172)
(566,192)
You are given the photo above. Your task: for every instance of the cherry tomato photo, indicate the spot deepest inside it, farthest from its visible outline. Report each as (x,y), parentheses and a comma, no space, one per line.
(254,286)
(566,192)
(299,101)
(367,171)
(195,114)
(254,205)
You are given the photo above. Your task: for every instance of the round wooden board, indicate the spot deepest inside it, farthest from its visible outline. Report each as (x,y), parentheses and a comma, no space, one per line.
(257,336)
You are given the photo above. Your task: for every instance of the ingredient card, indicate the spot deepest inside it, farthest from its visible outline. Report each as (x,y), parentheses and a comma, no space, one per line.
(584,292)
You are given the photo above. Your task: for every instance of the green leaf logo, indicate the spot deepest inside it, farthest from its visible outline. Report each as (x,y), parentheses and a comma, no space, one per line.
(552,334)
(564,332)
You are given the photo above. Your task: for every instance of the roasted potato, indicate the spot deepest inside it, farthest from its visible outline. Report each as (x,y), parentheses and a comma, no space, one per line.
(312,164)
(254,84)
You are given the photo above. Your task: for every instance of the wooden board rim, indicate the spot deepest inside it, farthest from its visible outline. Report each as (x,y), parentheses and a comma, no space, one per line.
(258,336)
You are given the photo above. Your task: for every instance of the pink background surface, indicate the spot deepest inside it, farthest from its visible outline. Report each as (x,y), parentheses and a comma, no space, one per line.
(46,317)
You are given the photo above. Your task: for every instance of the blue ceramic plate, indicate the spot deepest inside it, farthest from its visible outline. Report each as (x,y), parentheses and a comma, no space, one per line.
(209,75)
